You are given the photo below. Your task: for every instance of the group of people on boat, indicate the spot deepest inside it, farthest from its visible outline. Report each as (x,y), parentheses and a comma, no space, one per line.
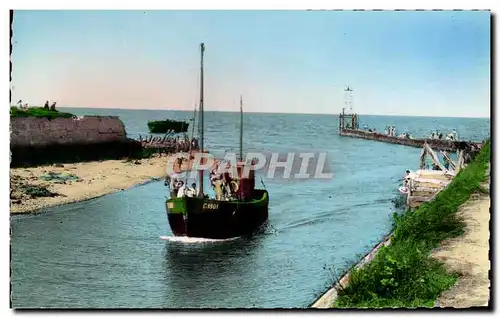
(178,186)
(226,185)
(180,189)
(222,182)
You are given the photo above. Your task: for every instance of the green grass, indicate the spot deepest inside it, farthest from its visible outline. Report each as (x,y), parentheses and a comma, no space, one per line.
(402,274)
(39,112)
(165,126)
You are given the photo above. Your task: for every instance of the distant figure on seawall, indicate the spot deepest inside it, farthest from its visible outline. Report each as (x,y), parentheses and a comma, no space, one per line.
(53,106)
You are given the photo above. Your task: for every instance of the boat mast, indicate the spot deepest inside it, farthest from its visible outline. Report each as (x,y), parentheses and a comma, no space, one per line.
(191,140)
(201,128)
(241,128)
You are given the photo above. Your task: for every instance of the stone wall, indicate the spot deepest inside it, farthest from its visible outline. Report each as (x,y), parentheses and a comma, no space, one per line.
(33,131)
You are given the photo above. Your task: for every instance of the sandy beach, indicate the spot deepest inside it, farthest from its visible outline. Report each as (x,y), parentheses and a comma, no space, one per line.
(94,179)
(468,256)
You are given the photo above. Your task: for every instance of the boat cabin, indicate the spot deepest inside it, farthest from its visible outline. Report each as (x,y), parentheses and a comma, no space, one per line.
(246,184)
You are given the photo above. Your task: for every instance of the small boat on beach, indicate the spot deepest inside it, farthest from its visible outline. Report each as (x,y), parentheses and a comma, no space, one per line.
(242,211)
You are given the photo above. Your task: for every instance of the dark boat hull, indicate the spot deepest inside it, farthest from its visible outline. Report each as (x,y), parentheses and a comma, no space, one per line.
(208,218)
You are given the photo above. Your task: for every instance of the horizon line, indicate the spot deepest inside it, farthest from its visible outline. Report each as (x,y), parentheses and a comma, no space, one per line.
(278,113)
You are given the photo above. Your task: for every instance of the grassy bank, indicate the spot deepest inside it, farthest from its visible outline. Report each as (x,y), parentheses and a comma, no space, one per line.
(403,274)
(39,112)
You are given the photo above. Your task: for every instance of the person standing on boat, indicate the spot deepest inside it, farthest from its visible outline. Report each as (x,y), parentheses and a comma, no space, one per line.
(181,192)
(226,180)
(247,185)
(216,180)
(191,192)
(194,189)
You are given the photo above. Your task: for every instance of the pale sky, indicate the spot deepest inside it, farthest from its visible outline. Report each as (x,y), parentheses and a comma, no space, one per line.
(399,63)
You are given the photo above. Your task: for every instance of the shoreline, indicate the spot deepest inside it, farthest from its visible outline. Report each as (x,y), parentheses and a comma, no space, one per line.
(91,180)
(459,264)
(42,210)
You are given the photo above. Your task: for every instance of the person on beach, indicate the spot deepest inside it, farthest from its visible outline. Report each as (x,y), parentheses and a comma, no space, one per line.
(178,165)
(46,106)
(53,106)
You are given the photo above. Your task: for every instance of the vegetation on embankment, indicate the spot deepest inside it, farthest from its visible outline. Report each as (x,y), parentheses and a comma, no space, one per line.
(39,112)
(403,274)
(165,126)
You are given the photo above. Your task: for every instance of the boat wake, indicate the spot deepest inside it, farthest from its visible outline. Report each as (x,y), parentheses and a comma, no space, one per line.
(195,240)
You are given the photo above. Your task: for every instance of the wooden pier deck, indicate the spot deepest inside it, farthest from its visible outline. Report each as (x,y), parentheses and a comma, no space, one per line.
(437,144)
(424,184)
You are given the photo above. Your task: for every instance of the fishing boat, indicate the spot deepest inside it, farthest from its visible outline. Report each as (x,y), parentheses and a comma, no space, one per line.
(205,217)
